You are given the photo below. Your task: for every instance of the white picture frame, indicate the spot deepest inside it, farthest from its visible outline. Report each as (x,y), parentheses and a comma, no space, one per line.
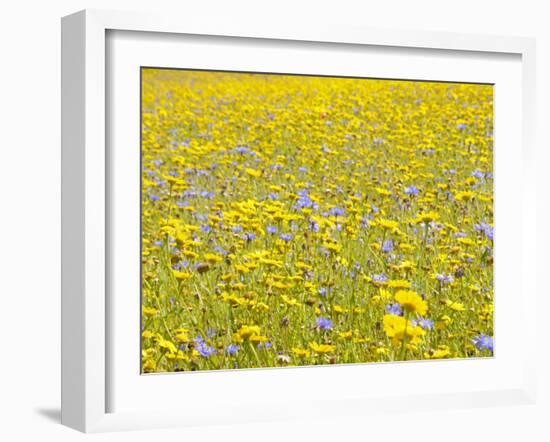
(85,307)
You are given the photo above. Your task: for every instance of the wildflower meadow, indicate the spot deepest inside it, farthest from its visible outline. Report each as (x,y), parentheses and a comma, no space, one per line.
(293,220)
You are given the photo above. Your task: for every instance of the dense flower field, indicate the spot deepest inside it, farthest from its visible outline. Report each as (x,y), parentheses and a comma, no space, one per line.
(293,220)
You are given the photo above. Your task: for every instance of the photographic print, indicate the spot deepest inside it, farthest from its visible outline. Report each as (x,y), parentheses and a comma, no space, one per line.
(296,220)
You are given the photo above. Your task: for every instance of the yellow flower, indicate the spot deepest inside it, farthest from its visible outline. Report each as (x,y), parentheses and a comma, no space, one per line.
(443,351)
(149,365)
(338,309)
(392,226)
(290,301)
(443,322)
(303,266)
(427,217)
(332,247)
(456,306)
(271,262)
(411,302)
(189,254)
(253,172)
(148,353)
(234,300)
(228,276)
(399,284)
(213,258)
(385,295)
(147,334)
(261,306)
(179,355)
(345,335)
(398,328)
(281,285)
(182,276)
(383,192)
(181,336)
(300,352)
(256,339)
(464,196)
(241,268)
(163,343)
(246,331)
(322,348)
(149,311)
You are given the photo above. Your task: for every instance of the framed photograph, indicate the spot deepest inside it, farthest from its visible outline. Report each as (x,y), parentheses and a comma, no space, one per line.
(265,222)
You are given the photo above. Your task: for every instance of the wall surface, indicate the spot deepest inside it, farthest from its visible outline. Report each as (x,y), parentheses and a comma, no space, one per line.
(30,216)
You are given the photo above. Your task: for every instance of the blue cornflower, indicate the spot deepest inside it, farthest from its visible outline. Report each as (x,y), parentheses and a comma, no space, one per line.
(273,196)
(265,345)
(483,341)
(380,278)
(199,340)
(286,237)
(205,350)
(487,229)
(478,174)
(337,211)
(426,324)
(313,226)
(189,193)
(394,309)
(271,229)
(205,228)
(304,201)
(412,190)
(302,169)
(461,126)
(220,250)
(206,194)
(232,349)
(387,246)
(323,291)
(324,323)
(444,278)
(249,236)
(244,150)
(237,229)
(154,197)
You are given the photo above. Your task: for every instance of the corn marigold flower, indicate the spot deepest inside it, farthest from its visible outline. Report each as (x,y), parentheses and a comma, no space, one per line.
(398,328)
(322,348)
(411,302)
(300,352)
